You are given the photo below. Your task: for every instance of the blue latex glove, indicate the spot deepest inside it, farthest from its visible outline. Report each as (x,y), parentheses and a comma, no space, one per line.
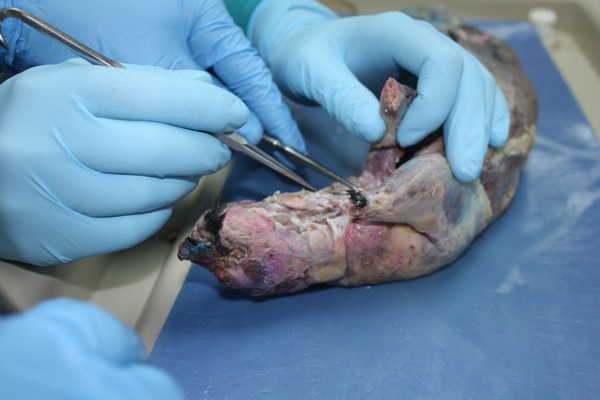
(340,62)
(184,34)
(64,349)
(93,158)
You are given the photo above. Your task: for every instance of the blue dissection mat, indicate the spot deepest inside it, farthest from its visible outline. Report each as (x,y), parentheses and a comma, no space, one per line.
(515,317)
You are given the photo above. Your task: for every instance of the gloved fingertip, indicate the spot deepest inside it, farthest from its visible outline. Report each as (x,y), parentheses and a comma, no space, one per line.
(500,124)
(298,143)
(466,170)
(138,227)
(224,158)
(467,176)
(369,127)
(407,136)
(252,129)
(500,130)
(376,132)
(240,117)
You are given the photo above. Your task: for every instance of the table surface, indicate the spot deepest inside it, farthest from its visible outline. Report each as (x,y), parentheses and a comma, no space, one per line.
(515,317)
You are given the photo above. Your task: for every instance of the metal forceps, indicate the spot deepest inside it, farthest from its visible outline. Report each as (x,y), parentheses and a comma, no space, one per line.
(307,161)
(232,139)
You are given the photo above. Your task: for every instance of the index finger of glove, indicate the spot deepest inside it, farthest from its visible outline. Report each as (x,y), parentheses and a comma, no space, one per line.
(177,98)
(500,123)
(436,62)
(466,135)
(331,84)
(146,148)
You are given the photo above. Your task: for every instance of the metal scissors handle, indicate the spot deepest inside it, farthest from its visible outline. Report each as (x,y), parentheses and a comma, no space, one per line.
(232,139)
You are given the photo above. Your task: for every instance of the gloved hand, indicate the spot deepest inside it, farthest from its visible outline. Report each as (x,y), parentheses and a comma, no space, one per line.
(65,349)
(340,62)
(93,158)
(185,34)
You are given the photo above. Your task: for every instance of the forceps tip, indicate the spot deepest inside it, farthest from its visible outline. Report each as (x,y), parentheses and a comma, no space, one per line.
(358,197)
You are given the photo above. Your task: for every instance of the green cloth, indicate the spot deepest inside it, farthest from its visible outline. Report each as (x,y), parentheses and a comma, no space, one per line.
(241,11)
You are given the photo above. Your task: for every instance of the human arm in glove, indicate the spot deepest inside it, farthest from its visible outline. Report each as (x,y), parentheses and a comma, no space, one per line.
(92,158)
(65,349)
(340,62)
(186,34)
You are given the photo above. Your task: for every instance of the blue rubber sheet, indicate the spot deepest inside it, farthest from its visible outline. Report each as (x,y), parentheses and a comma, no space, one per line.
(515,317)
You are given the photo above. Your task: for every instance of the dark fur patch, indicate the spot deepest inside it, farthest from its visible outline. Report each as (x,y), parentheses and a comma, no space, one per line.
(213,222)
(213,219)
